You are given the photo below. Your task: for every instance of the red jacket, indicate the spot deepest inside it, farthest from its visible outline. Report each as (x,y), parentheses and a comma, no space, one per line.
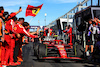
(21,30)
(70,31)
(10,23)
(9,26)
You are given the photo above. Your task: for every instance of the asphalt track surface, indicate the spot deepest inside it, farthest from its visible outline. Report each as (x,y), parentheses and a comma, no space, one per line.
(29,60)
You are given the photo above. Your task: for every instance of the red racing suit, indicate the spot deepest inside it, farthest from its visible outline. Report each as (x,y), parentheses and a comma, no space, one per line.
(9,44)
(18,28)
(70,34)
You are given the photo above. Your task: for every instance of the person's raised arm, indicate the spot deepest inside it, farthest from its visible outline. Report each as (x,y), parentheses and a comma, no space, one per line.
(97,20)
(14,13)
(94,20)
(19,10)
(38,30)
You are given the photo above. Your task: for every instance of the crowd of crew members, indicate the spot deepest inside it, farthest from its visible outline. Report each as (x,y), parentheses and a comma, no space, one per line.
(12,31)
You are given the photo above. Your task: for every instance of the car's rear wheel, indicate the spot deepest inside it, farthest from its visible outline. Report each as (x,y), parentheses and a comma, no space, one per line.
(36,45)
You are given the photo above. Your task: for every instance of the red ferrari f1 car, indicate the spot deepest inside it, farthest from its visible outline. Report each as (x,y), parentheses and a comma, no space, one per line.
(54,49)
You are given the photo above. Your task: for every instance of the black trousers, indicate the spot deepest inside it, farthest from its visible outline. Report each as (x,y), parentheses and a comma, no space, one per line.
(16,50)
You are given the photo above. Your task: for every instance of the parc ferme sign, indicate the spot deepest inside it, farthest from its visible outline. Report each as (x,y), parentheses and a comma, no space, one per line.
(35,27)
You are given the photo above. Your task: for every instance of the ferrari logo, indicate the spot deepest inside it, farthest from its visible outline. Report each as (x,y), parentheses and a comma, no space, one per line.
(35,11)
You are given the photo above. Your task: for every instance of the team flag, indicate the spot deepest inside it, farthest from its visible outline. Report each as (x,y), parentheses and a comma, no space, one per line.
(32,10)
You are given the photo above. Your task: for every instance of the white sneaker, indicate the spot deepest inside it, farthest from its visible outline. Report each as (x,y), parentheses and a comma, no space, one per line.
(87,53)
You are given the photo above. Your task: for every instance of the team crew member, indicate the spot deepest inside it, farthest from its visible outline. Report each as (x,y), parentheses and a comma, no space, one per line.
(25,38)
(3,33)
(19,28)
(1,24)
(69,32)
(17,36)
(89,37)
(1,30)
(18,54)
(95,32)
(9,40)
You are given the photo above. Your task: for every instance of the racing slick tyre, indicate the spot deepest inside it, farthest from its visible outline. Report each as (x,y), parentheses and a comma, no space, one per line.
(36,45)
(41,52)
(80,51)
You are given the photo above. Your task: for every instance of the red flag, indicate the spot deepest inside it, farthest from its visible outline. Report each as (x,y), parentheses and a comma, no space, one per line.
(33,11)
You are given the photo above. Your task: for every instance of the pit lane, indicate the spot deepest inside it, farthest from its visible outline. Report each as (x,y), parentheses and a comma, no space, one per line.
(29,60)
